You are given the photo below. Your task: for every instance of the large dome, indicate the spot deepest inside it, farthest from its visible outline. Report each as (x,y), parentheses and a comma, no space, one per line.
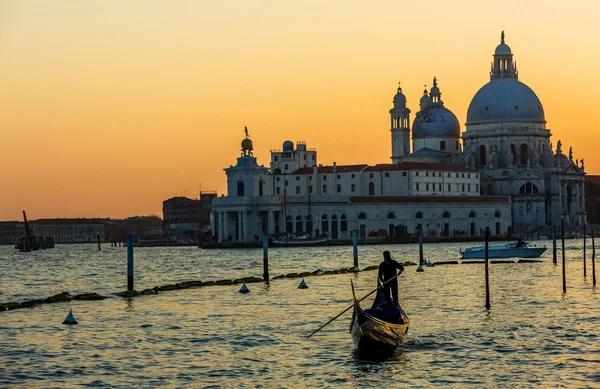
(505,100)
(435,121)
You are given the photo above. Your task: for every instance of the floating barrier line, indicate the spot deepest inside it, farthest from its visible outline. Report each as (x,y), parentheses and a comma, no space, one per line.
(66,296)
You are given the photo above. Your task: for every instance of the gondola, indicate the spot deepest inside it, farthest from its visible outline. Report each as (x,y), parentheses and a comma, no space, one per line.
(381,328)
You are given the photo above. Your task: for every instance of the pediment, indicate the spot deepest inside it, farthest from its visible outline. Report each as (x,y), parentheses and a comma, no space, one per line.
(574,169)
(528,174)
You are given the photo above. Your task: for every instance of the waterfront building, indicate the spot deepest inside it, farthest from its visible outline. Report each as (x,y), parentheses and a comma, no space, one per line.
(70,230)
(501,173)
(182,215)
(11,232)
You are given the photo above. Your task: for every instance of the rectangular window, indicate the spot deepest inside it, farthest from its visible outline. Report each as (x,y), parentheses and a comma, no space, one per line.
(448,174)
(275,158)
(278,190)
(439,174)
(463,175)
(442,145)
(339,189)
(427,187)
(310,189)
(456,175)
(338,176)
(353,187)
(417,174)
(240,188)
(309,178)
(313,157)
(387,174)
(469,187)
(297,178)
(324,178)
(440,187)
(449,188)
(463,187)
(305,157)
(427,174)
(477,188)
(468,176)
(286,182)
(278,179)
(403,174)
(370,175)
(285,167)
(417,186)
(297,189)
(352,176)
(324,188)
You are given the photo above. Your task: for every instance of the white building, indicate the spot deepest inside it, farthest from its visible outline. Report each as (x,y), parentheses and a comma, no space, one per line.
(300,197)
(501,174)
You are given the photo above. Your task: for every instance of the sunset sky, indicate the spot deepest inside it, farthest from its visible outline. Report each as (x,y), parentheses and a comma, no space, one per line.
(109,107)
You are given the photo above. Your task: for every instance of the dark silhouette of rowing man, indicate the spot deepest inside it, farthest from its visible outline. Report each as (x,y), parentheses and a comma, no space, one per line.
(387,271)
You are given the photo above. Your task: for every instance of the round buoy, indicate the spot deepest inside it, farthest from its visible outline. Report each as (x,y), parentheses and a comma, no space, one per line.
(70,319)
(244,288)
(302,285)
(429,264)
(420,269)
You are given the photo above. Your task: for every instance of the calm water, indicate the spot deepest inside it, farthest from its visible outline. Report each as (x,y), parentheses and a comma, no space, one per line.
(534,335)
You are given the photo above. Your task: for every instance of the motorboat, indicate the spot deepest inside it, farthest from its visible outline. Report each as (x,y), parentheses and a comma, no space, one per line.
(507,250)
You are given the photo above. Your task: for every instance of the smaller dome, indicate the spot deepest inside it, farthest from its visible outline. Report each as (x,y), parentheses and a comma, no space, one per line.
(399,98)
(435,90)
(246,144)
(288,145)
(436,121)
(425,100)
(502,49)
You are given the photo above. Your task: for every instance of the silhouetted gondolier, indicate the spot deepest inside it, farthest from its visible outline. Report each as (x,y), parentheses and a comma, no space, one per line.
(387,271)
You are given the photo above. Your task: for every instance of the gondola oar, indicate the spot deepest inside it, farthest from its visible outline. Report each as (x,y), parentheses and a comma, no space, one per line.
(346,310)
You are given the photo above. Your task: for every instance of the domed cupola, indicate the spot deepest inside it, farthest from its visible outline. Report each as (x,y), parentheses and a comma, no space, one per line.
(425,101)
(434,120)
(399,99)
(504,98)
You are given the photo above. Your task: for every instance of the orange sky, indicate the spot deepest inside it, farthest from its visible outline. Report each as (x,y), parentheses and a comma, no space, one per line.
(109,107)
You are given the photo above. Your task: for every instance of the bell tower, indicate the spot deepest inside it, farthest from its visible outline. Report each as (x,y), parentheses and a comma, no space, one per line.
(400,127)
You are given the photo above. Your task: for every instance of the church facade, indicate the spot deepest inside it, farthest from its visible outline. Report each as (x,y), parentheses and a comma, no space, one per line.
(502,173)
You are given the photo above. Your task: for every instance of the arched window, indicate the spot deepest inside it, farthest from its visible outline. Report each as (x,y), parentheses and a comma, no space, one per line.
(371,189)
(497,214)
(524,155)
(472,214)
(324,223)
(344,223)
(299,224)
(391,215)
(289,224)
(446,215)
(309,224)
(482,155)
(528,188)
(362,216)
(419,215)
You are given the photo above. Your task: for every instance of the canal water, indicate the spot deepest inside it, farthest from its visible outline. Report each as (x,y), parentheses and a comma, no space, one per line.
(215,337)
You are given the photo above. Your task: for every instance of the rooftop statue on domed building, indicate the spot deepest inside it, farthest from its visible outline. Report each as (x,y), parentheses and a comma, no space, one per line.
(559,147)
(246,144)
(571,153)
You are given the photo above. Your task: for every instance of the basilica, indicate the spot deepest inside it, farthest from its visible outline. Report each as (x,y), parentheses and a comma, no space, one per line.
(501,172)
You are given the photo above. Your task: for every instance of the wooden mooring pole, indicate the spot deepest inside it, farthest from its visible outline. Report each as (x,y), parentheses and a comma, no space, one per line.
(554,245)
(130,262)
(593,257)
(564,271)
(99,248)
(420,246)
(584,264)
(355,248)
(266,256)
(487,270)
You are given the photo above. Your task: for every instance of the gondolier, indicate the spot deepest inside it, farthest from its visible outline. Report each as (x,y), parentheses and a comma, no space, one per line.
(387,272)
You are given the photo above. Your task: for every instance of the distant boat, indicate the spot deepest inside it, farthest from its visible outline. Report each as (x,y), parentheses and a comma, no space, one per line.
(509,250)
(378,329)
(299,240)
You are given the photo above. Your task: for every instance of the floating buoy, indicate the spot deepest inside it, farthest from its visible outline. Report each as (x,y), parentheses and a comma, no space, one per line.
(429,264)
(420,269)
(70,319)
(244,288)
(302,285)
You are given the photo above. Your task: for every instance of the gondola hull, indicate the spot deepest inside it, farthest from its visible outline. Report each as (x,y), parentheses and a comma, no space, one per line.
(372,334)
